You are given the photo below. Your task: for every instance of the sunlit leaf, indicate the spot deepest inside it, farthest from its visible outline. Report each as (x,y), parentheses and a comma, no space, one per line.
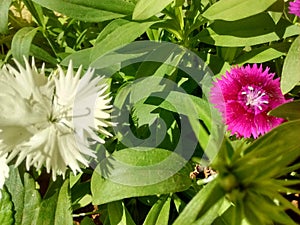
(4,7)
(263,54)
(89,10)
(21,43)
(25,197)
(231,10)
(289,111)
(6,208)
(291,73)
(250,31)
(144,9)
(159,213)
(118,214)
(201,204)
(139,172)
(55,208)
(117,34)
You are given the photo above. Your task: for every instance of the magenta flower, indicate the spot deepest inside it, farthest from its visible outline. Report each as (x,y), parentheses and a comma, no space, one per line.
(244,96)
(294,8)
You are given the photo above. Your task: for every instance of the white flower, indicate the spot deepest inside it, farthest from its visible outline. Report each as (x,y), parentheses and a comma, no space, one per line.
(4,170)
(52,121)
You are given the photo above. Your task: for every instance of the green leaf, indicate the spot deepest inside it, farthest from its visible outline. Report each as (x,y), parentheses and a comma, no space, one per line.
(139,172)
(118,214)
(263,54)
(230,10)
(159,213)
(269,211)
(116,34)
(87,221)
(89,10)
(289,111)
(144,9)
(201,204)
(24,195)
(55,208)
(214,212)
(21,43)
(79,58)
(285,136)
(40,53)
(250,31)
(259,163)
(36,11)
(6,208)
(232,216)
(4,8)
(290,73)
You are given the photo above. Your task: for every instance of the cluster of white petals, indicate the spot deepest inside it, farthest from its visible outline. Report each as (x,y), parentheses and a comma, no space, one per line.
(52,121)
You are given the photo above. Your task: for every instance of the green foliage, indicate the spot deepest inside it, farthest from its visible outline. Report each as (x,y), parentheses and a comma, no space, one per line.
(6,208)
(4,8)
(254,30)
(26,199)
(21,43)
(290,72)
(289,111)
(232,10)
(143,174)
(126,174)
(145,9)
(88,10)
(251,180)
(159,213)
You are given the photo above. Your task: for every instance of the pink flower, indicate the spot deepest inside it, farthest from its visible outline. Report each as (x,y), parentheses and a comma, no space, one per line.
(244,96)
(294,8)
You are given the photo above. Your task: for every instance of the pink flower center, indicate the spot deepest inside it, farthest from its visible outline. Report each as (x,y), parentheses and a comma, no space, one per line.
(254,98)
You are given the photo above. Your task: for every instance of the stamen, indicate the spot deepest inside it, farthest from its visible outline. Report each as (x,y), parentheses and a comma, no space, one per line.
(254,97)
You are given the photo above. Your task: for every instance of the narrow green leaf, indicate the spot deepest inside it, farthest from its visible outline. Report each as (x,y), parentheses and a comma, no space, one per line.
(63,214)
(36,11)
(144,9)
(261,163)
(290,73)
(289,111)
(139,172)
(155,211)
(118,214)
(231,10)
(263,54)
(214,212)
(40,53)
(201,204)
(79,58)
(21,43)
(4,8)
(6,208)
(286,139)
(56,205)
(163,217)
(25,197)
(250,31)
(269,211)
(89,10)
(117,34)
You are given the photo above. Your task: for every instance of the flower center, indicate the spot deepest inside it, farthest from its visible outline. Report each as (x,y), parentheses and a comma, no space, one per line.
(254,98)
